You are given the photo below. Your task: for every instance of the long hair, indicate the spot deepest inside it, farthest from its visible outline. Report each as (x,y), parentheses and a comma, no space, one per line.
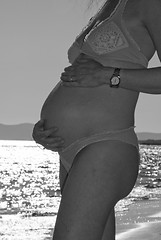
(109,4)
(96,3)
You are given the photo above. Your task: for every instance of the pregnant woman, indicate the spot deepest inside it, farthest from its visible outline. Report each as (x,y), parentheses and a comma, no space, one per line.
(88,118)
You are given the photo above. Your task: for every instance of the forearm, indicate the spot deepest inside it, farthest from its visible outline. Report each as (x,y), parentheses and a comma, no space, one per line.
(141,80)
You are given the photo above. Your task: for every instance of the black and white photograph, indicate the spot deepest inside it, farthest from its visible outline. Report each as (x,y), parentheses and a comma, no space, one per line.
(80,120)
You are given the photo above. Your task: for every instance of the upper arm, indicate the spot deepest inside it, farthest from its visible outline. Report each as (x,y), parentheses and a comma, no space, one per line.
(151,11)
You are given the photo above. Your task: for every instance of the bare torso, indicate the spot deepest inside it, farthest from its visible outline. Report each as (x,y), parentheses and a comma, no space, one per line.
(80,112)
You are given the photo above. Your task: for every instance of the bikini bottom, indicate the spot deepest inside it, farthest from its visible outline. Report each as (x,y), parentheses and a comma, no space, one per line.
(68,154)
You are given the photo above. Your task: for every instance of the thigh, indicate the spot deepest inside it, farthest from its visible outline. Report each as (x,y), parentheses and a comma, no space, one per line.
(97,180)
(109,231)
(106,162)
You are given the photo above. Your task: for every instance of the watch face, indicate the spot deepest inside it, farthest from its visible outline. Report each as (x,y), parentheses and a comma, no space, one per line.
(115,80)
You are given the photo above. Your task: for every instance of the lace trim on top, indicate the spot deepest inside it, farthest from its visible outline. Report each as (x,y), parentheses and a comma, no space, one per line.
(97,23)
(107,38)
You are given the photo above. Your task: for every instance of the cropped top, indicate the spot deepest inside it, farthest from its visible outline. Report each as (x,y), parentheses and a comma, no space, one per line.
(109,42)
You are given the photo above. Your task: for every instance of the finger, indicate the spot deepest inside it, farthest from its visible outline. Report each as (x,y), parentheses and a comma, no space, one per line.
(83,60)
(68,69)
(51,140)
(43,136)
(37,130)
(41,133)
(66,78)
(71,84)
(84,68)
(54,147)
(56,144)
(51,147)
(64,74)
(69,73)
(73,78)
(39,124)
(49,132)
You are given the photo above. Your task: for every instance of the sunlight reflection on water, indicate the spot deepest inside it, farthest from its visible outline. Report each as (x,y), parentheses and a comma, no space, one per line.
(30,194)
(14,227)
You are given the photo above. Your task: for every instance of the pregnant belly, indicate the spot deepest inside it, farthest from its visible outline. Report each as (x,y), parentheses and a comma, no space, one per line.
(78,112)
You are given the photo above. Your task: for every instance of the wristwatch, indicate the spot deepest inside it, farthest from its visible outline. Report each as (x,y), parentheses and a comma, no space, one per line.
(115,79)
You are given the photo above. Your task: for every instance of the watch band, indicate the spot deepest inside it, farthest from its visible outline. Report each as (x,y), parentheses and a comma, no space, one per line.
(116,72)
(115,79)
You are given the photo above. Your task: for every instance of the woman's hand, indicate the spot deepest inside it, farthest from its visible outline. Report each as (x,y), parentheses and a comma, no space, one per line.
(47,138)
(86,72)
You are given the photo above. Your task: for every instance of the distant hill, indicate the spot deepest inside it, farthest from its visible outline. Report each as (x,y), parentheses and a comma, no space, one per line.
(148,135)
(24,132)
(149,138)
(16,132)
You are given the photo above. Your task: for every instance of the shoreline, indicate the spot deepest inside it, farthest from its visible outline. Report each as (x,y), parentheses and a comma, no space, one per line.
(142,221)
(145,231)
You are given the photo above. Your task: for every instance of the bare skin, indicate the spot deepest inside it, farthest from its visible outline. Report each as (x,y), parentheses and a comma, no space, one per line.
(84,211)
(95,183)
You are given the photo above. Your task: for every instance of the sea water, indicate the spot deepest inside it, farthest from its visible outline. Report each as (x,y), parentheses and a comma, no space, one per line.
(30,192)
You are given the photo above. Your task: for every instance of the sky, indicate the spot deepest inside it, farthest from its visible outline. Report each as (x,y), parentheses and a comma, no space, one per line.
(35,37)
